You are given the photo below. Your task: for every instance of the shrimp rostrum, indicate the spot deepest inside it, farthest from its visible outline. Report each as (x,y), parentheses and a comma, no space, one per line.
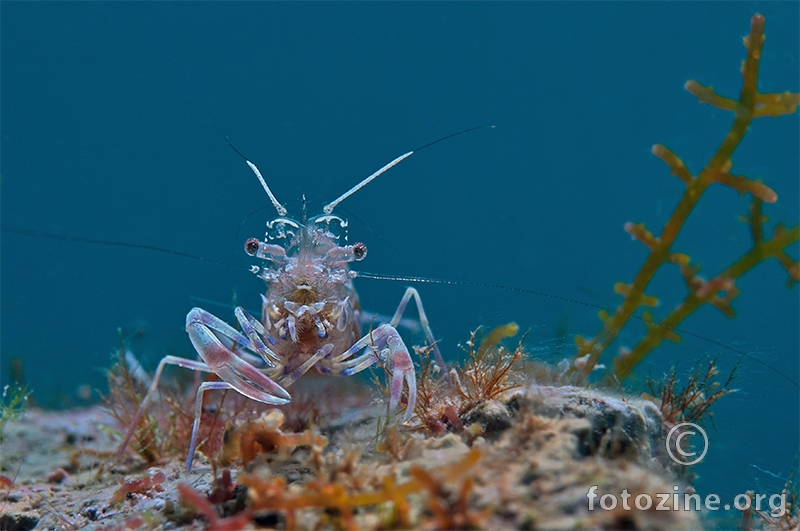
(310,318)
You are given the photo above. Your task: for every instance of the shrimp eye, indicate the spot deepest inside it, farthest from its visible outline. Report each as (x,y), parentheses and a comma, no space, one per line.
(251,246)
(359,251)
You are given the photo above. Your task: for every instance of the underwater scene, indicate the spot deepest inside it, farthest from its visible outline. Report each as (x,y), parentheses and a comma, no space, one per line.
(608,251)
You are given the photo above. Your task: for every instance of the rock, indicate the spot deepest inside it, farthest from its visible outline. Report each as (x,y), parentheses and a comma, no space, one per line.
(619,427)
(493,416)
(18,521)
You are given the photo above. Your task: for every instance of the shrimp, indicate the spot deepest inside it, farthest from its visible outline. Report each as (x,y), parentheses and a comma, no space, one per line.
(310,317)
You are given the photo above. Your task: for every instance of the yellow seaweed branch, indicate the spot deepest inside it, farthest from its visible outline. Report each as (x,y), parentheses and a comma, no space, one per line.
(275,495)
(720,290)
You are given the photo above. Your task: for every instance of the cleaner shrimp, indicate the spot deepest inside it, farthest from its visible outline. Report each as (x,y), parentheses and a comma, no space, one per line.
(310,317)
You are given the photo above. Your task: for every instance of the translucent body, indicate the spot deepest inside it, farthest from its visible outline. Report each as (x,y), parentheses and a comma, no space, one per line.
(310,317)
(310,300)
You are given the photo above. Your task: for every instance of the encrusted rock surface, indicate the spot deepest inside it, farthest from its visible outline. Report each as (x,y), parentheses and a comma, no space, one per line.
(542,448)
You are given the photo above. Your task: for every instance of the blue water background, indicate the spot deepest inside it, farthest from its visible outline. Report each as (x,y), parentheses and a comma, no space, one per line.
(113,124)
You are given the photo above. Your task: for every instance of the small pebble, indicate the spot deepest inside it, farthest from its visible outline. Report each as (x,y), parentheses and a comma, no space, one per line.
(59,475)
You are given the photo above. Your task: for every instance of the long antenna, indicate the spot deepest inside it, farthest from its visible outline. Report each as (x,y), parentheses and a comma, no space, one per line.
(112,243)
(427,280)
(328,209)
(279,207)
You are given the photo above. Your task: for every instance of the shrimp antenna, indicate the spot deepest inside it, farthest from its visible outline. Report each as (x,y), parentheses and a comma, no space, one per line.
(112,243)
(646,320)
(328,209)
(279,207)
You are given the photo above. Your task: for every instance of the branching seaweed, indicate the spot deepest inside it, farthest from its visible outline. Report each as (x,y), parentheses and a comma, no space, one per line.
(488,372)
(152,479)
(125,395)
(784,517)
(161,432)
(264,434)
(12,405)
(450,512)
(692,403)
(335,486)
(274,495)
(720,290)
(486,375)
